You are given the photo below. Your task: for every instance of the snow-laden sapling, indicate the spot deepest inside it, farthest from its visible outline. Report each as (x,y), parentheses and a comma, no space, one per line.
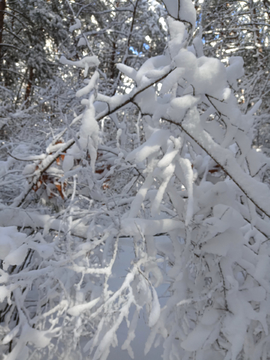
(185,191)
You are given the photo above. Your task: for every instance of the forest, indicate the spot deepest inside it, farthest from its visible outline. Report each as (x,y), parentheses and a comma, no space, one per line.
(134,179)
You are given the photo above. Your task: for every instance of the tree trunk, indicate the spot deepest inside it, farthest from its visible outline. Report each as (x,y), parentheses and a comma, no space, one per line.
(2,13)
(29,86)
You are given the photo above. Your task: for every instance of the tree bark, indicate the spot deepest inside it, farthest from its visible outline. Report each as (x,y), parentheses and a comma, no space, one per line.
(2,13)
(29,86)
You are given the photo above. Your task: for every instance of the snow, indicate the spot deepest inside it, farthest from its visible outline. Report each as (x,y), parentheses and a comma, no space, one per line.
(41,339)
(85,63)
(4,293)
(10,239)
(152,145)
(78,309)
(256,191)
(257,293)
(221,244)
(262,267)
(210,77)
(81,42)
(165,174)
(146,99)
(177,33)
(171,79)
(29,170)
(235,70)
(15,257)
(234,328)
(5,165)
(11,335)
(89,125)
(229,216)
(68,161)
(89,130)
(118,137)
(140,196)
(198,46)
(131,335)
(45,251)
(5,246)
(177,30)
(172,7)
(179,107)
(19,351)
(170,153)
(157,73)
(187,12)
(206,243)
(137,226)
(153,68)
(76,26)
(207,75)
(255,108)
(155,309)
(188,61)
(90,86)
(127,70)
(92,149)
(201,336)
(210,316)
(32,219)
(188,174)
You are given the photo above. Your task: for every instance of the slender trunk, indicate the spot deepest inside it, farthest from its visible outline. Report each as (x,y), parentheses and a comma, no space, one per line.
(2,13)
(112,69)
(257,37)
(29,86)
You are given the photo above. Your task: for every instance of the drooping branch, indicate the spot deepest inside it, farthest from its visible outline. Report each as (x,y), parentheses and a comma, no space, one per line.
(124,61)
(226,161)
(223,157)
(50,159)
(23,218)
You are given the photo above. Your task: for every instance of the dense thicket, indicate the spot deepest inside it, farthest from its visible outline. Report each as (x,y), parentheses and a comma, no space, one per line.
(117,129)
(241,28)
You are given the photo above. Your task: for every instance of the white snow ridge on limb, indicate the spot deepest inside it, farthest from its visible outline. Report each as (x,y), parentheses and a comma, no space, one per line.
(76,26)
(85,63)
(181,9)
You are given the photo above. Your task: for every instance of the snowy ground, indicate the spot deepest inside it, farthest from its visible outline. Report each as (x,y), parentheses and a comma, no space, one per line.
(120,270)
